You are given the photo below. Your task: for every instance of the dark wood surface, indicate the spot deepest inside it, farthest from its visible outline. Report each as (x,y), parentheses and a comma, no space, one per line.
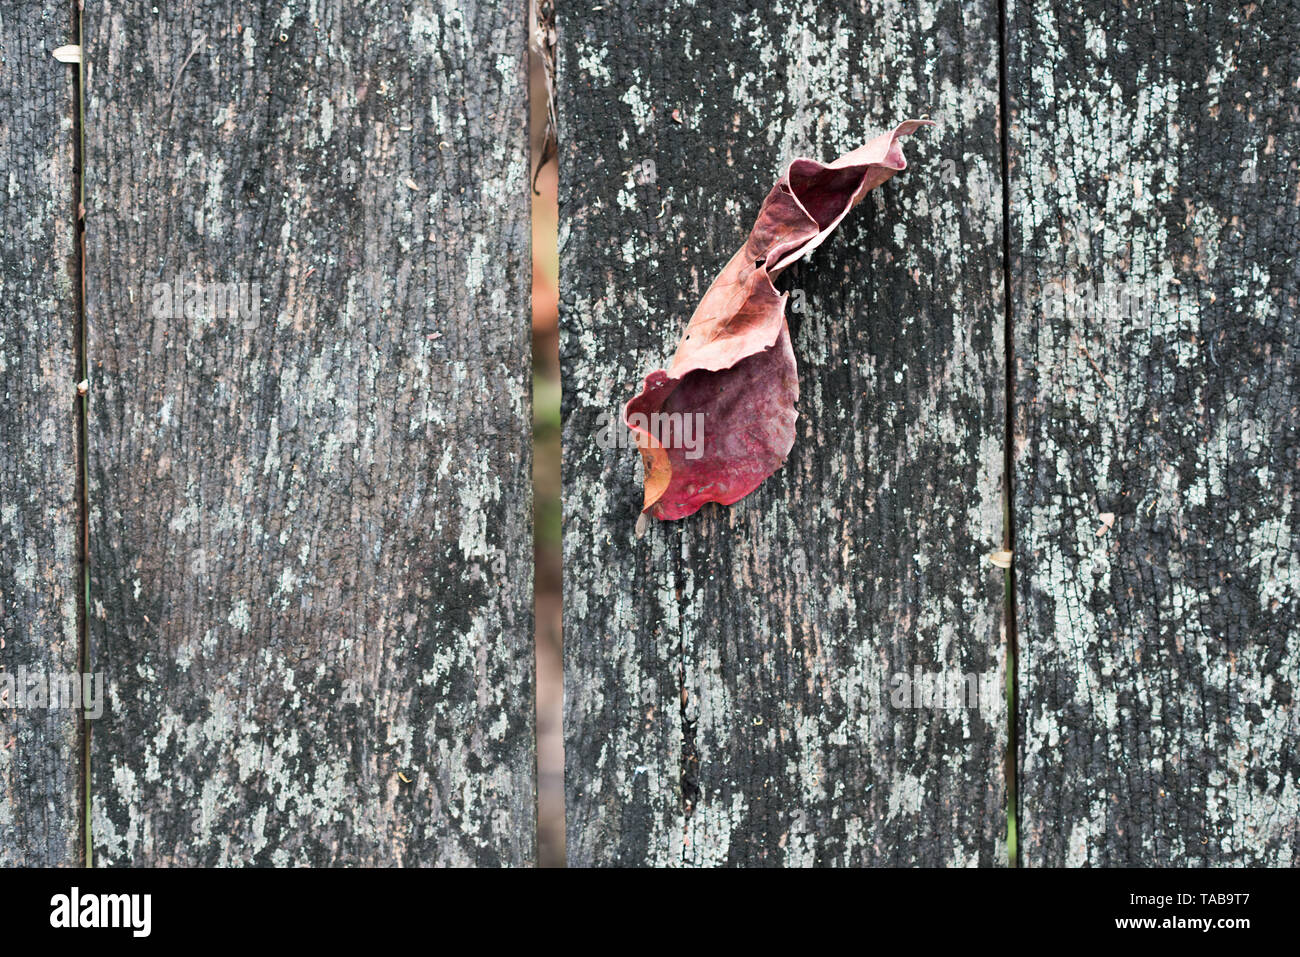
(728,676)
(1154,149)
(311,587)
(40,571)
(311,562)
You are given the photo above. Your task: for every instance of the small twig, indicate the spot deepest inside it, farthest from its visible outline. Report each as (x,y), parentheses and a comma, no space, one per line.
(1096,368)
(171,107)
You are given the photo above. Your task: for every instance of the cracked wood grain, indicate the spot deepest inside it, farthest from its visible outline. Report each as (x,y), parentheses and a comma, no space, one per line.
(1154,170)
(40,574)
(311,520)
(728,676)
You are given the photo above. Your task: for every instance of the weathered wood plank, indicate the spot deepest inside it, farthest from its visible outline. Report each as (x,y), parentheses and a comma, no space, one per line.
(311,521)
(728,677)
(40,574)
(1154,152)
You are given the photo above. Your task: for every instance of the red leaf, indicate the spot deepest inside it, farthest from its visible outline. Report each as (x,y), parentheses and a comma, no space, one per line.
(734,371)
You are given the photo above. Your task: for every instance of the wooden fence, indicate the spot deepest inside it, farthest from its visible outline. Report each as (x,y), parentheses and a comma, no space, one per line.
(310,522)
(308,577)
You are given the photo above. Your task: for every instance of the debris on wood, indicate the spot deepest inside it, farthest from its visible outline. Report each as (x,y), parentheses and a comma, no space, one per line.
(542,41)
(734,368)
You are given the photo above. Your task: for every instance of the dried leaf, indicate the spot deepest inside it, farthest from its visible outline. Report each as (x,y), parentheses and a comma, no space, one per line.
(734,366)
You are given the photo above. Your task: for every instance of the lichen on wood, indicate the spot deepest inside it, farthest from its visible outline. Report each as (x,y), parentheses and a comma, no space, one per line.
(311,521)
(1155,193)
(40,573)
(729,676)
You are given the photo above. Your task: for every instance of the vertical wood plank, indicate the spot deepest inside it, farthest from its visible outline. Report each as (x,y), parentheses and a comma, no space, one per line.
(312,520)
(729,676)
(40,574)
(1154,170)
